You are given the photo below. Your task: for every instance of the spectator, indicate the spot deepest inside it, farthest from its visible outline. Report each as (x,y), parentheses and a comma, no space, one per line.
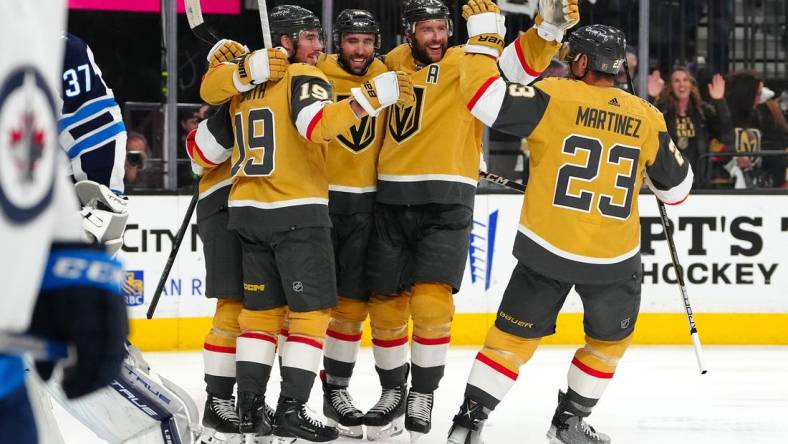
(692,122)
(757,127)
(137,153)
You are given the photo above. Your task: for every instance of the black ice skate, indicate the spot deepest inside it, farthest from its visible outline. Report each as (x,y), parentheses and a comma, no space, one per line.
(253,422)
(386,418)
(341,413)
(468,423)
(418,415)
(292,421)
(568,428)
(220,421)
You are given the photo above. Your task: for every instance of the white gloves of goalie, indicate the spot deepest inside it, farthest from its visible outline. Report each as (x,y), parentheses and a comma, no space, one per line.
(103,214)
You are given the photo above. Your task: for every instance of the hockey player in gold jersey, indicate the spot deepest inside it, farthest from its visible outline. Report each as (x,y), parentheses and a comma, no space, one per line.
(592,147)
(278,208)
(352,177)
(427,175)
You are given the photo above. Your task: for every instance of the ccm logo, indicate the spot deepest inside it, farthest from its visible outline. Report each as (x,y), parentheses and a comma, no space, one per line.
(74,268)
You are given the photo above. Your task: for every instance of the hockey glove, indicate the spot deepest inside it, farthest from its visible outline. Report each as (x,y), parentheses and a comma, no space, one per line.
(384,90)
(486,27)
(80,304)
(264,65)
(555,17)
(225,50)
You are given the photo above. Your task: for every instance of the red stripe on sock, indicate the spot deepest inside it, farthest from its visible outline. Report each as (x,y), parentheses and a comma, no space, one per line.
(343,336)
(496,366)
(260,336)
(588,370)
(305,340)
(388,343)
(432,341)
(218,348)
(284,332)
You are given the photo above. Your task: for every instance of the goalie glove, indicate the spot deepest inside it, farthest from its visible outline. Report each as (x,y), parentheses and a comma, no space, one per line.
(103,214)
(255,68)
(486,27)
(555,17)
(384,90)
(225,50)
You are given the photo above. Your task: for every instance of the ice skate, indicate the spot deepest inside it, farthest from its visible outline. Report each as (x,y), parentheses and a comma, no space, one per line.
(418,415)
(386,418)
(220,422)
(293,421)
(568,428)
(341,413)
(468,423)
(253,422)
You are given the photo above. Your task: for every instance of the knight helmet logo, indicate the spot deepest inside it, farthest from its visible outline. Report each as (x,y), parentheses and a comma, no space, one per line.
(404,122)
(361,135)
(481,249)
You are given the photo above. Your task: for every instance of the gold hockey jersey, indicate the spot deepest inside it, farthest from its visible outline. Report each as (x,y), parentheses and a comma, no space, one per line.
(431,151)
(353,155)
(590,150)
(278,160)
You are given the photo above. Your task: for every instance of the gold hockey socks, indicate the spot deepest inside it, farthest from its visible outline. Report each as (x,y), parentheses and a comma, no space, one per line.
(342,340)
(497,366)
(432,309)
(592,368)
(219,348)
(302,351)
(388,317)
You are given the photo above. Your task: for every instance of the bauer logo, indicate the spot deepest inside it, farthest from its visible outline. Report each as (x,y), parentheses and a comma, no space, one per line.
(481,249)
(134,288)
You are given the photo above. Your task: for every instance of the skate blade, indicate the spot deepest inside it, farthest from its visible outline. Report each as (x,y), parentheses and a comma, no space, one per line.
(352,432)
(253,438)
(211,436)
(414,436)
(389,430)
(283,440)
(458,436)
(552,438)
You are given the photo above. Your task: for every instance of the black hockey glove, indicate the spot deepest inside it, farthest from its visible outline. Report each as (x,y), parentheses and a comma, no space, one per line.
(80,304)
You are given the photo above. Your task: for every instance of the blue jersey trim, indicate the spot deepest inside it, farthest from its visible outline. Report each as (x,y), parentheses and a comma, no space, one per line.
(12,374)
(96,139)
(85,112)
(82,268)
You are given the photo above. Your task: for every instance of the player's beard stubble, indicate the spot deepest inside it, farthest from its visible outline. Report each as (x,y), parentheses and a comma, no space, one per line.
(422,55)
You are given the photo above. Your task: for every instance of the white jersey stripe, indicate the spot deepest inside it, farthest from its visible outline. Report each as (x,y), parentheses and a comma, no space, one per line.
(279,204)
(305,117)
(426,177)
(354,190)
(576,257)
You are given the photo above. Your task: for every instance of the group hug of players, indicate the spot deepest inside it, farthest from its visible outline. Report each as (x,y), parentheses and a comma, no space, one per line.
(337,187)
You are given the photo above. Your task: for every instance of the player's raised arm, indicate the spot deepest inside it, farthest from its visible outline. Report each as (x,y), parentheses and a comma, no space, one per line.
(211,143)
(669,175)
(241,74)
(320,120)
(526,57)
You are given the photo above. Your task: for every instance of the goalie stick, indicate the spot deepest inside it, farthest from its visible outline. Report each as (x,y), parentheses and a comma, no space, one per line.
(674,257)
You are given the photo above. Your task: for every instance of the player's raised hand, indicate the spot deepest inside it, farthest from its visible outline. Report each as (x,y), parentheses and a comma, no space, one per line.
(406,95)
(655,83)
(717,87)
(225,50)
(555,17)
(486,27)
(264,65)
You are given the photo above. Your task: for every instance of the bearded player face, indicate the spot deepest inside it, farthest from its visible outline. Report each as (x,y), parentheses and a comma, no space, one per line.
(357,51)
(429,40)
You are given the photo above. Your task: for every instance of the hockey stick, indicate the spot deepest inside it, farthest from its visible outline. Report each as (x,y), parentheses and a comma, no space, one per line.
(197,23)
(173,253)
(502,181)
(39,349)
(674,257)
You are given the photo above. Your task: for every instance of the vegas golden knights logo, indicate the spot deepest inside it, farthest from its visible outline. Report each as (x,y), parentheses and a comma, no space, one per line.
(748,139)
(406,121)
(361,135)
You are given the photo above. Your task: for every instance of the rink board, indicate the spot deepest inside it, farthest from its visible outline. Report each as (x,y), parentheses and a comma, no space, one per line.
(733,248)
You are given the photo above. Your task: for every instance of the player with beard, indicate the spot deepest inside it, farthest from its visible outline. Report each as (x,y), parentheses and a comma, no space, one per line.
(428,170)
(278,206)
(352,178)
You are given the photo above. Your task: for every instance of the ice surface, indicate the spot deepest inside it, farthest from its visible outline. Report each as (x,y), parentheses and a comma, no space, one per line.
(657,396)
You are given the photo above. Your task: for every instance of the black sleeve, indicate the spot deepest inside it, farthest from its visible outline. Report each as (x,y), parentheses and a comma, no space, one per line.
(522,109)
(220,125)
(670,168)
(305,91)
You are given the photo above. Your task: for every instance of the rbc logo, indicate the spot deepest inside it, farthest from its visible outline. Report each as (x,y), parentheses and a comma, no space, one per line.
(134,288)
(481,248)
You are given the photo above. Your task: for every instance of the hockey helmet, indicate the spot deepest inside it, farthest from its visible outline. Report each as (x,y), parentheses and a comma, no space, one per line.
(291,20)
(356,20)
(415,11)
(605,47)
